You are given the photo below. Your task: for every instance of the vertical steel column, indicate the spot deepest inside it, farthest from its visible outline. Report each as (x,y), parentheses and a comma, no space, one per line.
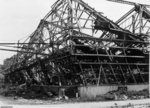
(93,72)
(122,72)
(70,22)
(84,79)
(140,74)
(141,19)
(99,75)
(133,24)
(104,75)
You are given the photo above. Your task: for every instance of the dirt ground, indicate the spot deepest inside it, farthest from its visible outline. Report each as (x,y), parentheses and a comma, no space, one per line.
(9,101)
(48,101)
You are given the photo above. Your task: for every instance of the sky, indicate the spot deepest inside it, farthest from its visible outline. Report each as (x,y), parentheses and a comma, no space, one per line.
(19,18)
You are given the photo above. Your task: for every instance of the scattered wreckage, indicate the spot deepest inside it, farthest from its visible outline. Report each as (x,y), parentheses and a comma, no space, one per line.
(74,45)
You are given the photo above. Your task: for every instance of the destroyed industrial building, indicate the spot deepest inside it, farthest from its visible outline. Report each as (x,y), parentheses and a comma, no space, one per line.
(74,45)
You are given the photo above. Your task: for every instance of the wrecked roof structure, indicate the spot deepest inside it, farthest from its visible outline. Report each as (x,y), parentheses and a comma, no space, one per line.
(74,44)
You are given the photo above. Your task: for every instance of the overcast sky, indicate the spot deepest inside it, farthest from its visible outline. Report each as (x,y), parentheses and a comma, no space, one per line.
(19,18)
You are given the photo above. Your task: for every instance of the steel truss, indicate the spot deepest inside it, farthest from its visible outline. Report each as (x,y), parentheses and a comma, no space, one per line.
(74,44)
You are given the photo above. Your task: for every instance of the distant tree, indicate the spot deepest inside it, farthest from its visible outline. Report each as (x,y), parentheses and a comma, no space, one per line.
(7,63)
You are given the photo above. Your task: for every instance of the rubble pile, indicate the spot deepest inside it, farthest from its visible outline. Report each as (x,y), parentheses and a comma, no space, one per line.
(38,92)
(41,93)
(125,95)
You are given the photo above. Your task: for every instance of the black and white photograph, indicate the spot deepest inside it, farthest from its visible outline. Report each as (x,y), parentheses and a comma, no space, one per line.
(75,53)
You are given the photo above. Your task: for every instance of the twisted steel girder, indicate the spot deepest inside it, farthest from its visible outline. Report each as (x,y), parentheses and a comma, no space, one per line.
(81,46)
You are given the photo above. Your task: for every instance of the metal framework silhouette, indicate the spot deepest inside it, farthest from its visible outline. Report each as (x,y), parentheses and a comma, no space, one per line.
(74,44)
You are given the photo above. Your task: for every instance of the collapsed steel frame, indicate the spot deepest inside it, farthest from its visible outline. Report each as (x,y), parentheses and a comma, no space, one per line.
(74,44)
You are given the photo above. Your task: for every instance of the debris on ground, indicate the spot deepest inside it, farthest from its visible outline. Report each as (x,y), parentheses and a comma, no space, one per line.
(124,95)
(22,94)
